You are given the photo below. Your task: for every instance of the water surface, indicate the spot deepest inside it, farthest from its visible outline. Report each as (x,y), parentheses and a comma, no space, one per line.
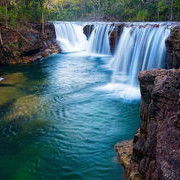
(56,124)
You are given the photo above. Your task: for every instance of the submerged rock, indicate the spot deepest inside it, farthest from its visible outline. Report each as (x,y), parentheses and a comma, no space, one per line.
(24,107)
(24,116)
(10,87)
(13,79)
(156,147)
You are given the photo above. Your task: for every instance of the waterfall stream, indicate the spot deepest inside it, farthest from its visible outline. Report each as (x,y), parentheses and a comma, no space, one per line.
(99,39)
(141,46)
(70,36)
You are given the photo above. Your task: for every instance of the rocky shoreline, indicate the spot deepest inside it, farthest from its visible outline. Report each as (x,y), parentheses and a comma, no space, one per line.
(27,44)
(154,153)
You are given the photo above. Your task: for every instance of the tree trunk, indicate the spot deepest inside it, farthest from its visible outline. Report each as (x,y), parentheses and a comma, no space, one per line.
(6,16)
(158,13)
(43,23)
(171,15)
(1,41)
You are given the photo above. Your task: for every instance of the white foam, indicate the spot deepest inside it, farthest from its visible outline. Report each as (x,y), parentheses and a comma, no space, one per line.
(86,54)
(121,91)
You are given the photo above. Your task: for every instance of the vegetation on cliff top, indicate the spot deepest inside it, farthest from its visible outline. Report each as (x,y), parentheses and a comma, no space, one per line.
(18,12)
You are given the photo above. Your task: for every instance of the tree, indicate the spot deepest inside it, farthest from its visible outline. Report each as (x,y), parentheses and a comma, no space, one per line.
(5,3)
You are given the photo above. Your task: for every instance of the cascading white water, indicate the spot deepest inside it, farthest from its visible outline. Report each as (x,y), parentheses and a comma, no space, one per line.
(70,36)
(139,48)
(99,39)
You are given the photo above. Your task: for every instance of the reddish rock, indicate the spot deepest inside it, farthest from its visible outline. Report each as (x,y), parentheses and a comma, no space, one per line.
(125,150)
(157,149)
(27,44)
(114,36)
(173,48)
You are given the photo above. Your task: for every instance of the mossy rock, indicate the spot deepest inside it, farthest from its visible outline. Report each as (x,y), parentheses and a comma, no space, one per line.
(25,114)
(24,107)
(8,94)
(13,79)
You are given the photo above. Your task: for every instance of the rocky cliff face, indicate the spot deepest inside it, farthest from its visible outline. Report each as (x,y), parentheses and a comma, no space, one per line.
(173,48)
(27,44)
(155,151)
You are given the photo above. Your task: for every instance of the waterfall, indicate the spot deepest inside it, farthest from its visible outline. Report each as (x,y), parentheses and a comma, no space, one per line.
(139,48)
(99,39)
(70,36)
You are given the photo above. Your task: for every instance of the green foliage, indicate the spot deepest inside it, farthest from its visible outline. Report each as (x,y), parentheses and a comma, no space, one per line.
(19,12)
(142,15)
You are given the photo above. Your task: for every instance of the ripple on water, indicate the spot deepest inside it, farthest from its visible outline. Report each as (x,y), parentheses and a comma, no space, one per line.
(62,124)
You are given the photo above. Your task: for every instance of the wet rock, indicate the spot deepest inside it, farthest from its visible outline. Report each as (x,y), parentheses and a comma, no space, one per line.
(173,48)
(125,150)
(88,30)
(114,36)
